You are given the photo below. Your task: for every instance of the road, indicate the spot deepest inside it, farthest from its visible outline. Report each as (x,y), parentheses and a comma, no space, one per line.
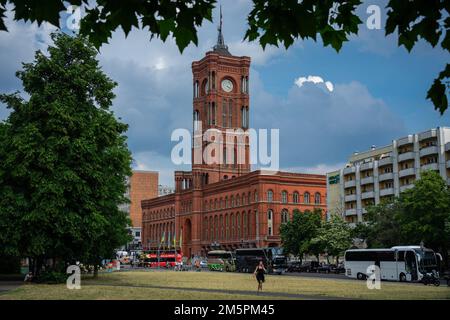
(288,274)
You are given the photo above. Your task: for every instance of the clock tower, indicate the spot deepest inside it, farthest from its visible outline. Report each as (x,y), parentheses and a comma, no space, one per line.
(221,148)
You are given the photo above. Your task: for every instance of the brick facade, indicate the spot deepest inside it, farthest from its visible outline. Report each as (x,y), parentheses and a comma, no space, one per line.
(223,205)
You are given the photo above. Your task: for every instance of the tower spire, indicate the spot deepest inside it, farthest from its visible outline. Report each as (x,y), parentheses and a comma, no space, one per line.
(221,47)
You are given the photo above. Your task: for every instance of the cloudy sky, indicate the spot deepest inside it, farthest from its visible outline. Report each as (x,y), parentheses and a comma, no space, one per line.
(326,105)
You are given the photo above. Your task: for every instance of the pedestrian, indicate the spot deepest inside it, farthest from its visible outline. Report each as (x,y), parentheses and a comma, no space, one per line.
(28,277)
(259,273)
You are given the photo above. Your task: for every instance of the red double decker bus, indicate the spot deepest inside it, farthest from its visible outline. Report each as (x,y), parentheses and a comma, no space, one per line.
(161,259)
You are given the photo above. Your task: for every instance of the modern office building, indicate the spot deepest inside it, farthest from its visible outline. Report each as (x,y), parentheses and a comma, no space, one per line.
(383,173)
(141,185)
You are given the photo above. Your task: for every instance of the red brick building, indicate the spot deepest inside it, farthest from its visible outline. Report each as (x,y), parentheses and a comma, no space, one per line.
(224,205)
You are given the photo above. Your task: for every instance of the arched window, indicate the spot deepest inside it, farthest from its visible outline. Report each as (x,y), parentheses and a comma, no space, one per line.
(284,197)
(317,198)
(227,227)
(224,113)
(306,197)
(232,226)
(238,201)
(244,224)
(269,195)
(226,202)
(232,202)
(221,227)
(284,216)
(270,222)
(244,117)
(196,87)
(295,197)
(205,87)
(230,114)
(216,228)
(238,224)
(256,196)
(213,113)
(205,228)
(211,229)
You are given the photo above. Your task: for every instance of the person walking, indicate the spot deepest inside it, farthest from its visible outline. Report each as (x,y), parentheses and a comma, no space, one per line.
(259,273)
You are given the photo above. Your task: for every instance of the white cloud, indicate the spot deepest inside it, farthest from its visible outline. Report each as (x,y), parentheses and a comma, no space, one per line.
(318,169)
(314,79)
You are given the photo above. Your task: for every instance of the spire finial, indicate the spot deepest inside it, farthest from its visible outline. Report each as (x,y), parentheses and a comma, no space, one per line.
(220,46)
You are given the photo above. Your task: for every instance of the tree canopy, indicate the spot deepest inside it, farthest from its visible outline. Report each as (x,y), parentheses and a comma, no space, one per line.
(269,22)
(64,159)
(296,235)
(334,236)
(420,214)
(308,233)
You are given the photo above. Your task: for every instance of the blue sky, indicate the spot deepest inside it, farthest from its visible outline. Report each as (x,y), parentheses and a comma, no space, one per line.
(379,89)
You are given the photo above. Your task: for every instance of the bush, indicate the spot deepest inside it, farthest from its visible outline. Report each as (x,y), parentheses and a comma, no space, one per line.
(52,277)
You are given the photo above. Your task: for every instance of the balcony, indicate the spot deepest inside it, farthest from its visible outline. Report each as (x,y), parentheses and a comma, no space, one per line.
(350,184)
(406,156)
(429,150)
(368,195)
(430,166)
(386,192)
(385,161)
(448,164)
(428,134)
(406,187)
(349,170)
(350,212)
(404,141)
(366,166)
(366,180)
(350,198)
(407,172)
(386,176)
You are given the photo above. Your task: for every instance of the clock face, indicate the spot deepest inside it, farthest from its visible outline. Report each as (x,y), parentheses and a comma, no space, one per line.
(227,85)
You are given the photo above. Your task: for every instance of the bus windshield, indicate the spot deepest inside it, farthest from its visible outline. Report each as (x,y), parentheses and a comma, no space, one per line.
(427,260)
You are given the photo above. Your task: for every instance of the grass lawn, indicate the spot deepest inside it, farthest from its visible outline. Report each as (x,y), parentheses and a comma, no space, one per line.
(223,286)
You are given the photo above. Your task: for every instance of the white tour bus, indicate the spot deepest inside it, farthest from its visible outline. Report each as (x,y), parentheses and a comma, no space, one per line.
(401,263)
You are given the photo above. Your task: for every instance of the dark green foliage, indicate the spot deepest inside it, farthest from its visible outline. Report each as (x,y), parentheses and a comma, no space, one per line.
(52,277)
(296,235)
(64,159)
(421,214)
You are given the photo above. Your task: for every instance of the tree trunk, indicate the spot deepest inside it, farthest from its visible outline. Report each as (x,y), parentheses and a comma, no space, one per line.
(95,271)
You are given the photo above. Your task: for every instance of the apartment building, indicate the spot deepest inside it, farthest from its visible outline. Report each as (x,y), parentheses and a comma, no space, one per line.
(383,173)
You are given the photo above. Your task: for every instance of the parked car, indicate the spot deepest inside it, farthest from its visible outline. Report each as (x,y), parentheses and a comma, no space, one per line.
(338,269)
(307,266)
(294,266)
(310,266)
(325,268)
(203,264)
